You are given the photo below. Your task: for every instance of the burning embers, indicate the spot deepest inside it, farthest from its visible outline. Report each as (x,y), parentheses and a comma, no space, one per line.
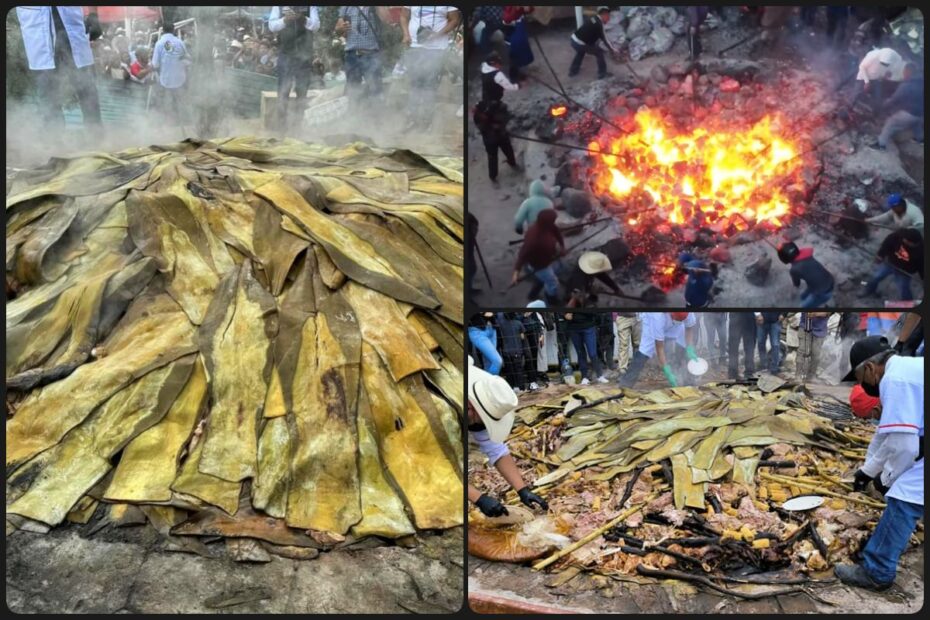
(558,111)
(710,176)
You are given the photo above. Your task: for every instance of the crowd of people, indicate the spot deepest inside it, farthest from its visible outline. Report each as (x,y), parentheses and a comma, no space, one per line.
(289,44)
(888,86)
(520,345)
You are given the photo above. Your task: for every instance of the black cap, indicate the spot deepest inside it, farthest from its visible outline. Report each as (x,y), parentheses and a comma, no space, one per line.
(788,251)
(863,350)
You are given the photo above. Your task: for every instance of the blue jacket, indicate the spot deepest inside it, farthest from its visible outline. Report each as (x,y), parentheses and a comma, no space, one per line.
(908,96)
(699,283)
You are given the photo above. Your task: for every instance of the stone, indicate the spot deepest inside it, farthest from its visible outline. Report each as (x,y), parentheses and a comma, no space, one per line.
(758,272)
(639,26)
(577,203)
(680,68)
(659,74)
(662,40)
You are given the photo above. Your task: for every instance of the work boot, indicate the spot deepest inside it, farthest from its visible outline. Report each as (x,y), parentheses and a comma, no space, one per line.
(605,75)
(877,146)
(855,575)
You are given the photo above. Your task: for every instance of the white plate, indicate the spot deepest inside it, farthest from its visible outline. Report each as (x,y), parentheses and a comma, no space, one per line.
(698,367)
(803,502)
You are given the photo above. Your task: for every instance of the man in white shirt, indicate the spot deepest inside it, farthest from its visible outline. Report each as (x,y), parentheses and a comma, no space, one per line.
(493,80)
(894,462)
(662,335)
(429,32)
(491,403)
(900,213)
(58,49)
(877,70)
(294,26)
(170,59)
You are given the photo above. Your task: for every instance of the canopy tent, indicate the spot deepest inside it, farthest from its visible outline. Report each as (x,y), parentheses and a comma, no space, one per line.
(113,14)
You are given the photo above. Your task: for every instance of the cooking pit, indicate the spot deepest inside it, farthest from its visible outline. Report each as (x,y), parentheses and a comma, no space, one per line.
(724,158)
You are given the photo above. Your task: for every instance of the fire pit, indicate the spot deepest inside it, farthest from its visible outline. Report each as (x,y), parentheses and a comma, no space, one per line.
(697,162)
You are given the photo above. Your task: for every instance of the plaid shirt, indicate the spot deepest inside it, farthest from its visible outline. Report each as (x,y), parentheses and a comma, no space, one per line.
(362,33)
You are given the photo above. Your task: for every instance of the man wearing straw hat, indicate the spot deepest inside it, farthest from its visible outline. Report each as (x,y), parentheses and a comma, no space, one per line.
(591,266)
(894,462)
(491,404)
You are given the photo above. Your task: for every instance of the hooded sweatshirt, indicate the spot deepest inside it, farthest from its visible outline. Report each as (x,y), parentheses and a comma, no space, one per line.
(541,244)
(808,269)
(531,207)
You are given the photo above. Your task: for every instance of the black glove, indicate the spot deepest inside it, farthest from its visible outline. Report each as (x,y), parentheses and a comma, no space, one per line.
(877,483)
(899,346)
(490,507)
(92,25)
(861,481)
(529,498)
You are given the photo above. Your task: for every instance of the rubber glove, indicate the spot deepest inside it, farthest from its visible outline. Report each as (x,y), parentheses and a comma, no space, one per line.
(667,369)
(690,352)
(529,498)
(490,507)
(861,481)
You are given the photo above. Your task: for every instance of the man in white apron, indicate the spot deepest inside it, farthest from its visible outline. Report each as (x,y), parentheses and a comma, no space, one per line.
(894,462)
(58,49)
(663,335)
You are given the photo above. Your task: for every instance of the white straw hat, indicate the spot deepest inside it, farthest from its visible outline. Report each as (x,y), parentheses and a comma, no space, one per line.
(594,262)
(493,399)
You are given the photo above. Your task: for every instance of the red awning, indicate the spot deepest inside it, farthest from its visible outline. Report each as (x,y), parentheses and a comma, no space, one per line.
(112,14)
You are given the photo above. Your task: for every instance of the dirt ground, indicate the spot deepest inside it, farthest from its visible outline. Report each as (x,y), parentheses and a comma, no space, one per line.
(494,206)
(129,571)
(499,585)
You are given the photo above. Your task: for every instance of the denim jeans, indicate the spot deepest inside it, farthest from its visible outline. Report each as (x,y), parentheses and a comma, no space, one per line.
(889,540)
(580,51)
(549,281)
(771,331)
(424,71)
(631,376)
(295,73)
(902,279)
(899,121)
(675,357)
(485,340)
(585,343)
(815,300)
(363,66)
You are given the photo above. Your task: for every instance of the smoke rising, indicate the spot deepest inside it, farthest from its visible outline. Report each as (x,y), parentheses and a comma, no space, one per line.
(211,96)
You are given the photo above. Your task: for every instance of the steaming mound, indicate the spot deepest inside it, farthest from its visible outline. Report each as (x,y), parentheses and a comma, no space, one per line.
(222,332)
(695,479)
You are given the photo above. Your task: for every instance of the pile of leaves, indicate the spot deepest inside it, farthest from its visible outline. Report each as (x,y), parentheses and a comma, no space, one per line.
(246,338)
(691,481)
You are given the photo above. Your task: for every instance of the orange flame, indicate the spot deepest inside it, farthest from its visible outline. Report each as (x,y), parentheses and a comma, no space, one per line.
(709,176)
(558,110)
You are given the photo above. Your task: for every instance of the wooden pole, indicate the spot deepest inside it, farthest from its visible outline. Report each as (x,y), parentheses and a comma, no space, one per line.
(626,514)
(819,489)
